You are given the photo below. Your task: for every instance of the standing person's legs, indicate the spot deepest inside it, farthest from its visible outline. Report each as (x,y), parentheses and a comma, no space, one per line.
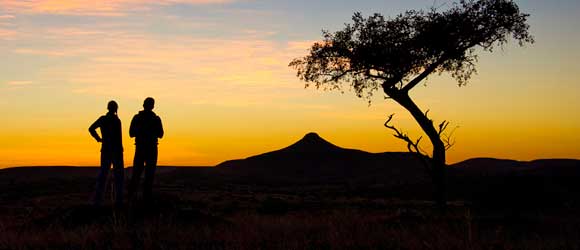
(138,166)
(102,178)
(151,165)
(119,172)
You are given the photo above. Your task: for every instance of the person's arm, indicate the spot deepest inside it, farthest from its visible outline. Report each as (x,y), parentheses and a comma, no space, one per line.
(133,127)
(160,132)
(93,129)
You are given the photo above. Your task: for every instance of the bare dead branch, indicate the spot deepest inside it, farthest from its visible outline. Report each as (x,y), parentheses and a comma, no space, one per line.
(412,146)
(448,139)
(442,126)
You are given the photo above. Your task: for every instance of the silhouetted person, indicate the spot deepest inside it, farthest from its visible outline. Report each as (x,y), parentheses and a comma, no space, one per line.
(111,152)
(146,127)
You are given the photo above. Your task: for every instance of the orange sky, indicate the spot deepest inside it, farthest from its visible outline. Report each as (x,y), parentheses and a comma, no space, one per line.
(218,70)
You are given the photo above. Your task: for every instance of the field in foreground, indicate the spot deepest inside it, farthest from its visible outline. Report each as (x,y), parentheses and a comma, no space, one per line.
(205,209)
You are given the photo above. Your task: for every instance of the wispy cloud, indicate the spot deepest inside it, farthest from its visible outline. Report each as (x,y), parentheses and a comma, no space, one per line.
(19,83)
(5,17)
(42,52)
(7,34)
(91,7)
(301,45)
(245,70)
(238,72)
(5,31)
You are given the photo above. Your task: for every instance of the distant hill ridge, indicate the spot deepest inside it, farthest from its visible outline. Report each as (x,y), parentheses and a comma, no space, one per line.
(311,148)
(314,158)
(503,167)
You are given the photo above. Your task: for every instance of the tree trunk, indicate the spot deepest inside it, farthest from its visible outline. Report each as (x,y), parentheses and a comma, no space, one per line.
(438,159)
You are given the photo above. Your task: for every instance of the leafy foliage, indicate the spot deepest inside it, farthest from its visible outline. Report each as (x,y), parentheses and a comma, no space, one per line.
(397,53)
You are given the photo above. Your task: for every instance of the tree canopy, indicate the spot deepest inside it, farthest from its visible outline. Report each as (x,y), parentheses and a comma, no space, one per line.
(397,53)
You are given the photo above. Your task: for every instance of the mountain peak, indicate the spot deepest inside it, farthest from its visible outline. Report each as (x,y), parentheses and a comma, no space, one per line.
(312,142)
(312,136)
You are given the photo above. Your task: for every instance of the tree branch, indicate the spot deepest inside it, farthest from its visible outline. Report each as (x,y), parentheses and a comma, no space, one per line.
(442,126)
(337,77)
(412,146)
(424,74)
(446,138)
(377,76)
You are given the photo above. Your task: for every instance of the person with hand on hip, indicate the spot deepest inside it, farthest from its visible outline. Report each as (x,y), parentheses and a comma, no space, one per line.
(111,153)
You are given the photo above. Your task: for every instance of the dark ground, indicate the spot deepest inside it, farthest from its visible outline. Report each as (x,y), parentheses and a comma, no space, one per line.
(217,208)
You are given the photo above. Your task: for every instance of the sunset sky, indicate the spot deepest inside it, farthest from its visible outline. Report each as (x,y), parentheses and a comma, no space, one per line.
(219,72)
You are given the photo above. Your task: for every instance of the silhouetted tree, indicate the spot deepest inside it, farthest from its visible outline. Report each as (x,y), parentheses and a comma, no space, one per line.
(396,54)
